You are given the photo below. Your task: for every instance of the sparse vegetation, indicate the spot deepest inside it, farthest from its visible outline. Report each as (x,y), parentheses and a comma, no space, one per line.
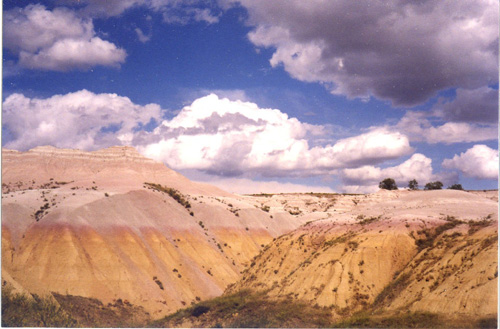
(22,311)
(267,195)
(475,226)
(176,195)
(430,234)
(42,211)
(295,211)
(392,290)
(404,320)
(247,309)
(365,221)
(91,312)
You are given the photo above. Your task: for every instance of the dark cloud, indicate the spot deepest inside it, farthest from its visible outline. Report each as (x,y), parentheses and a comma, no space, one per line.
(402,51)
(479,105)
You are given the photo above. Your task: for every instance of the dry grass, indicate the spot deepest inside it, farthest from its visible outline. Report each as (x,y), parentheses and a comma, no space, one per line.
(246,309)
(22,311)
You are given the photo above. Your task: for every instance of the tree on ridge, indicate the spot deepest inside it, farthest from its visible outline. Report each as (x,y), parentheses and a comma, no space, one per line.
(413,185)
(388,184)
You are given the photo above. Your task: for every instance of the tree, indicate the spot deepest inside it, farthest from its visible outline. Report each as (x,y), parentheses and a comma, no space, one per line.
(388,184)
(413,184)
(433,186)
(455,187)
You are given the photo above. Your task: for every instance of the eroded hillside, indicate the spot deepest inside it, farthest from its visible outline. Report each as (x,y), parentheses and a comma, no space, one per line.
(126,230)
(112,225)
(433,251)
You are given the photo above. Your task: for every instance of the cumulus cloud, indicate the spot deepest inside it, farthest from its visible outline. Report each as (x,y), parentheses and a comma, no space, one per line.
(480,161)
(82,120)
(56,40)
(477,105)
(418,167)
(217,136)
(419,128)
(365,48)
(366,179)
(229,138)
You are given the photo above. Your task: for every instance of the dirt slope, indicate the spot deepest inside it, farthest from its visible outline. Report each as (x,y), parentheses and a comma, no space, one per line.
(86,224)
(433,251)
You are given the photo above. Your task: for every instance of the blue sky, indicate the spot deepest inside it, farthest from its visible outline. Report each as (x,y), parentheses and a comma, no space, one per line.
(259,96)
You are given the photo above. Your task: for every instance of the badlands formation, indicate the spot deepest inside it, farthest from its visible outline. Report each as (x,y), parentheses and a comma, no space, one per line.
(114,225)
(88,224)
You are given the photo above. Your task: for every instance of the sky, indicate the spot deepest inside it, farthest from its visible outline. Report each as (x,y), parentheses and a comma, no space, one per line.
(262,96)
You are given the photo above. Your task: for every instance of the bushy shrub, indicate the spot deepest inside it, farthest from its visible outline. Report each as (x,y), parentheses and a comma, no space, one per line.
(388,184)
(433,186)
(455,187)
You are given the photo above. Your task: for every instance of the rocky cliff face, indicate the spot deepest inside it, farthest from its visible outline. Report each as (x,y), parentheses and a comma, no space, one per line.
(112,224)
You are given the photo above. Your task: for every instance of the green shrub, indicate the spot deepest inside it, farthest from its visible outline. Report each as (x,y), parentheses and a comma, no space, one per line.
(433,186)
(388,184)
(455,187)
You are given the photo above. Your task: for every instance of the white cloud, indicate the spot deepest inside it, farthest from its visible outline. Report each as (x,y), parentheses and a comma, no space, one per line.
(366,179)
(230,138)
(365,48)
(418,167)
(141,36)
(360,189)
(82,120)
(217,136)
(375,146)
(419,128)
(480,161)
(56,40)
(173,11)
(108,8)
